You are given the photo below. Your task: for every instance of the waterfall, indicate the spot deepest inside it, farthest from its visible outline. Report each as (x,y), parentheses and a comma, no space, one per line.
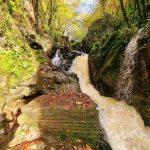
(125,82)
(123,126)
(56,61)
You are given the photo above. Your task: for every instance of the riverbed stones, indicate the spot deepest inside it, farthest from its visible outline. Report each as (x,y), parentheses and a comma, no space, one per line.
(53,79)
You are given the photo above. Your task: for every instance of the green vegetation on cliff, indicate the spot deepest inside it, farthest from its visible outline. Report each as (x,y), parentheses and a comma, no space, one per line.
(18,60)
(108,36)
(110,33)
(102,29)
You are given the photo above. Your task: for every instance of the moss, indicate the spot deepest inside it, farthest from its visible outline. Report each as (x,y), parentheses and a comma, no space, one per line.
(107,54)
(18,61)
(5,23)
(112,57)
(40,56)
(82,127)
(76,124)
(16,65)
(14,6)
(76,45)
(103,31)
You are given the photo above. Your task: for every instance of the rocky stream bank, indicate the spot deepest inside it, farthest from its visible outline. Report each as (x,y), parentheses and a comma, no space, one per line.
(54,114)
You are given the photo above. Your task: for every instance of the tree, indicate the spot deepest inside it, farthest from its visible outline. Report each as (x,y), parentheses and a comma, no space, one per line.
(137,4)
(124,12)
(144,8)
(50,14)
(35,4)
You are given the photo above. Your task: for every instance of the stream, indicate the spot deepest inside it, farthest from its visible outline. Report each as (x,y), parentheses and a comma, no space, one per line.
(122,124)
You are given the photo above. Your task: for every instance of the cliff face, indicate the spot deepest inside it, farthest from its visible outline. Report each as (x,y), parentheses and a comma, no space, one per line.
(106,72)
(26,73)
(141,88)
(21,50)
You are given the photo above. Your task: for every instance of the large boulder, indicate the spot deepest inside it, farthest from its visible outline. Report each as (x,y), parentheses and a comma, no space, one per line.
(141,86)
(53,79)
(58,117)
(19,63)
(105,74)
(98,31)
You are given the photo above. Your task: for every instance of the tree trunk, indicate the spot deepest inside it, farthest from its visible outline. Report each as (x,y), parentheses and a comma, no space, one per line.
(35,4)
(144,9)
(124,12)
(51,14)
(138,8)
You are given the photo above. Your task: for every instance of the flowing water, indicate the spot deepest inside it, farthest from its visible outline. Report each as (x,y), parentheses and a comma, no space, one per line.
(123,126)
(56,61)
(126,78)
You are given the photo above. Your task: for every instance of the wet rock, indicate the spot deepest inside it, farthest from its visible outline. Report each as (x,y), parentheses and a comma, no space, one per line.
(47,79)
(39,43)
(9,96)
(65,56)
(67,59)
(2,126)
(56,117)
(35,46)
(2,117)
(141,88)
(106,79)
(97,33)
(53,79)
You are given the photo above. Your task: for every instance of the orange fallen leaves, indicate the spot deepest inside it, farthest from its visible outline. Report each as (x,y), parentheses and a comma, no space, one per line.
(65,100)
(26,145)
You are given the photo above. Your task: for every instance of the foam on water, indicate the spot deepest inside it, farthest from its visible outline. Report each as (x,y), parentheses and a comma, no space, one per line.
(122,124)
(124,89)
(56,61)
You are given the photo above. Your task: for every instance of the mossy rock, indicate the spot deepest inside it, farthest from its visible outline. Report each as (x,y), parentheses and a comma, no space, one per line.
(62,117)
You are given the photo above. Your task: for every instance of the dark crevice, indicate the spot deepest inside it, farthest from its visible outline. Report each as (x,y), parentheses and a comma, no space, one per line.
(28,99)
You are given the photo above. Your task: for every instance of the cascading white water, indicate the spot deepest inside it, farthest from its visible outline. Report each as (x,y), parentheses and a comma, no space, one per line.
(56,61)
(124,85)
(123,126)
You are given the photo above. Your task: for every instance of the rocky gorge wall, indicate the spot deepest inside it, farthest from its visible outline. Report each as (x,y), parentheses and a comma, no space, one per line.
(20,61)
(106,79)
(41,105)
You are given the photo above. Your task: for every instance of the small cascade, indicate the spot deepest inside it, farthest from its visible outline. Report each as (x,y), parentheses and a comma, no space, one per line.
(122,124)
(125,82)
(63,59)
(56,61)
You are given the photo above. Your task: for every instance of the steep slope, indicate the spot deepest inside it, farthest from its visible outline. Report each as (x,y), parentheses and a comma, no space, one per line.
(19,59)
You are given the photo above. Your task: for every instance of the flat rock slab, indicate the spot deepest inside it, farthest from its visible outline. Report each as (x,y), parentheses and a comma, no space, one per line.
(66,100)
(68,115)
